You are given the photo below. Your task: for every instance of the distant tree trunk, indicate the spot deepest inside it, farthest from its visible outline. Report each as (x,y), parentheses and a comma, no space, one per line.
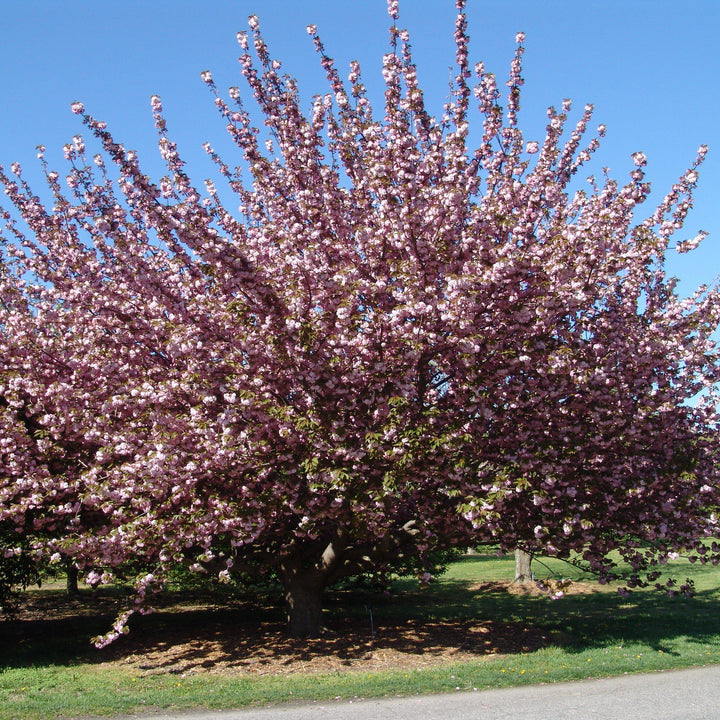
(303,602)
(523,573)
(71,583)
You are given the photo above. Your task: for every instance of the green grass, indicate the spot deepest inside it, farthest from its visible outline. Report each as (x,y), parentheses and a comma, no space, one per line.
(593,634)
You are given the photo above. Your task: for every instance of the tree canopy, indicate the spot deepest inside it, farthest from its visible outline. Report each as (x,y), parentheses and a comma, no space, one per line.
(372,336)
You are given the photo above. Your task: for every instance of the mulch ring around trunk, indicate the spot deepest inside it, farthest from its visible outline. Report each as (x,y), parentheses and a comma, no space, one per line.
(200,635)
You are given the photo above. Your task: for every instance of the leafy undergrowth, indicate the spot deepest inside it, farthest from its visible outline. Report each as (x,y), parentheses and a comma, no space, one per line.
(470,630)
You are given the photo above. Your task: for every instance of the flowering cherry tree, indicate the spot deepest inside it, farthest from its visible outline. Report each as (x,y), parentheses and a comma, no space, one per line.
(402,340)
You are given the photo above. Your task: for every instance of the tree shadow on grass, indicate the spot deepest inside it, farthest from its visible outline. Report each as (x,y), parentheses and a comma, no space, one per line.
(452,621)
(594,617)
(650,617)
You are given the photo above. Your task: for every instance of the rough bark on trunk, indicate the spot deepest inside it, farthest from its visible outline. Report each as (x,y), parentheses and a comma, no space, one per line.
(523,573)
(303,600)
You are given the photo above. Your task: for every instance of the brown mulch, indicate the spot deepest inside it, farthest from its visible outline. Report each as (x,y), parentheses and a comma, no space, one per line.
(573,588)
(201,636)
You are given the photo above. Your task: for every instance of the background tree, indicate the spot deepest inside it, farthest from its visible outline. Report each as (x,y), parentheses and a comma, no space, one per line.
(18,568)
(523,566)
(396,344)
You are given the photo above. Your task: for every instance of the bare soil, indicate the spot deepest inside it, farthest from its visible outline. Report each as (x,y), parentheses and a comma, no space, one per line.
(192,634)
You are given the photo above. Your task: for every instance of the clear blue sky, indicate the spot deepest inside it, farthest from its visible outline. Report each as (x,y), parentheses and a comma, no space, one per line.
(651,67)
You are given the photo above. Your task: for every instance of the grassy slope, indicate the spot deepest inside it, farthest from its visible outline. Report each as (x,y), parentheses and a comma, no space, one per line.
(594,634)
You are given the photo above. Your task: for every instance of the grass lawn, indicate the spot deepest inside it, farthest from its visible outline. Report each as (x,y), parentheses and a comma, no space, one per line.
(465,632)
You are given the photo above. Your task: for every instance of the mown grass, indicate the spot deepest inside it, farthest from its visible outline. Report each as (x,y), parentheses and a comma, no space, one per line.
(592,634)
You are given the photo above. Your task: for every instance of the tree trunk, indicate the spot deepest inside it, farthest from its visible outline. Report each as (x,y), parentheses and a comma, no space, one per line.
(303,600)
(71,583)
(523,573)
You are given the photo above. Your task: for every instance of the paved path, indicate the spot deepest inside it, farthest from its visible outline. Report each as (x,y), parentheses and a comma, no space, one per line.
(678,695)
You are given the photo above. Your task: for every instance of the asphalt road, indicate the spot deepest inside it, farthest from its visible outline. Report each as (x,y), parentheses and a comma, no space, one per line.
(679,695)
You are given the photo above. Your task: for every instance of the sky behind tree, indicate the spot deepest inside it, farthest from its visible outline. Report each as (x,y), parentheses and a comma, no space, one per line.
(650,67)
